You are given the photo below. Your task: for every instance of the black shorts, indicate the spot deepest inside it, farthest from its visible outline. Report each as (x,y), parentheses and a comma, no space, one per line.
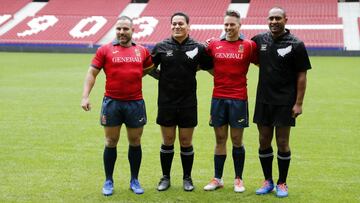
(182,117)
(273,115)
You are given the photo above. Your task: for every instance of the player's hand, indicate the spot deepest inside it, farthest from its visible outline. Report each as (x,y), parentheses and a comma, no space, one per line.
(85,104)
(296,110)
(207,42)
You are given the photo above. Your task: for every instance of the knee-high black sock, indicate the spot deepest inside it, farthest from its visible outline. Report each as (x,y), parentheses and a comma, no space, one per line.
(219,161)
(166,157)
(266,157)
(134,156)
(187,159)
(283,164)
(109,158)
(238,154)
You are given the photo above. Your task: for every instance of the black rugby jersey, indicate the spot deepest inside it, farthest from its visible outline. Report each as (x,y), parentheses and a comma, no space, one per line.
(178,66)
(280,61)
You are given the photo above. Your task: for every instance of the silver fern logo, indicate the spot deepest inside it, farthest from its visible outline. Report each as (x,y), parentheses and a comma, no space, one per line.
(191,54)
(282,52)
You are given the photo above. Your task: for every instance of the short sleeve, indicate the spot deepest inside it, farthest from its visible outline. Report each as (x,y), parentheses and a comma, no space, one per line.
(301,58)
(99,59)
(147,59)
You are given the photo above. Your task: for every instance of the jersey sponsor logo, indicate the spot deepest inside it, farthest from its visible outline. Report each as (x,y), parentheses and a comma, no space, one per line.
(191,54)
(282,52)
(228,56)
(263,47)
(122,59)
(241,48)
(169,53)
(137,52)
(218,47)
(116,51)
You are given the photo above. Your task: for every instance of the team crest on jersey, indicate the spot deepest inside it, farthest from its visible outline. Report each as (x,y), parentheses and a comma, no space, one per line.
(263,47)
(169,53)
(241,48)
(137,52)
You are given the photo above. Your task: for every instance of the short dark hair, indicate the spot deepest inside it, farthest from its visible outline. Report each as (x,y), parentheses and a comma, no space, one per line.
(126,18)
(180,14)
(232,13)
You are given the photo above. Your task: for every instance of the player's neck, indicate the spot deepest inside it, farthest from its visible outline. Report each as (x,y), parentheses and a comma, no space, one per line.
(180,39)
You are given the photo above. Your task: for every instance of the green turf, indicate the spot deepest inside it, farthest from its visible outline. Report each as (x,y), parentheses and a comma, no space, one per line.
(51,150)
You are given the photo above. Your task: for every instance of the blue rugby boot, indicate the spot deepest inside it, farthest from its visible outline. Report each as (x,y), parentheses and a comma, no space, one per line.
(267,187)
(108,188)
(282,190)
(135,186)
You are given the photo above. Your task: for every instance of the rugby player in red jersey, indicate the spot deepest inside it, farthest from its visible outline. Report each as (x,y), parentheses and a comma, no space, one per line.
(124,63)
(232,56)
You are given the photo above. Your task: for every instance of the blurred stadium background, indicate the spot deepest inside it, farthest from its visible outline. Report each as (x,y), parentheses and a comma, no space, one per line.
(328,27)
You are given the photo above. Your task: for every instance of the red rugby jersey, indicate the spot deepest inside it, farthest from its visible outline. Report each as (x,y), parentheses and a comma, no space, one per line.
(231,64)
(123,67)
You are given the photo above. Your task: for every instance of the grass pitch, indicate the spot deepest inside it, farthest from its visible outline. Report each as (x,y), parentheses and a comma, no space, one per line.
(51,150)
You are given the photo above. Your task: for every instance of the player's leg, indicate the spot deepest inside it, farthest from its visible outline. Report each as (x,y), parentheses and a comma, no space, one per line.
(187,121)
(166,155)
(264,120)
(187,156)
(219,120)
(166,118)
(284,157)
(284,121)
(112,135)
(111,119)
(238,119)
(135,119)
(134,157)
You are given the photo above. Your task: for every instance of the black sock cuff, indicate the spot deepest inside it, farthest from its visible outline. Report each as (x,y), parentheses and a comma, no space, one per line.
(284,155)
(221,156)
(266,153)
(238,150)
(110,148)
(135,148)
(187,150)
(167,149)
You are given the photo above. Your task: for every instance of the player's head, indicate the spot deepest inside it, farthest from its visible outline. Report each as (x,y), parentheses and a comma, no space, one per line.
(180,26)
(124,30)
(232,24)
(277,20)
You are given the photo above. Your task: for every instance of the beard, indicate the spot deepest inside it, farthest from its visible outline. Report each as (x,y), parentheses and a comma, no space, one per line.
(123,39)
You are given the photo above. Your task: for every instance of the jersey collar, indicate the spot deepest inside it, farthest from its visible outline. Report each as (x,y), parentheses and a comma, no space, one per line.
(183,42)
(223,37)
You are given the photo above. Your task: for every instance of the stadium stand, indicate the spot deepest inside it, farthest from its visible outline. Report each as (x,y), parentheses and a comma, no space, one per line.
(11,6)
(201,12)
(84,7)
(198,8)
(296,8)
(67,22)
(81,22)
(300,13)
